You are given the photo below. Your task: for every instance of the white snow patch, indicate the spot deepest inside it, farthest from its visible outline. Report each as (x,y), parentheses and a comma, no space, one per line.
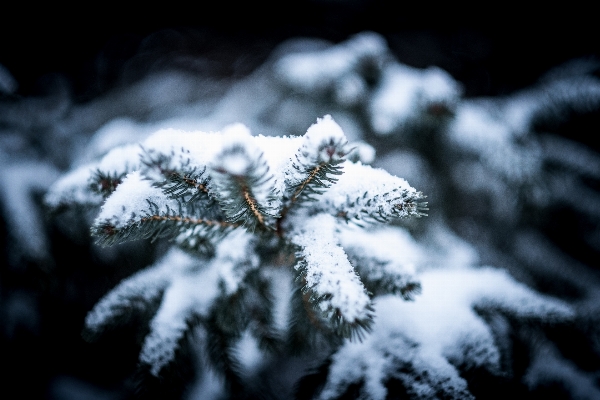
(389,244)
(440,325)
(324,141)
(360,183)
(72,188)
(328,271)
(315,72)
(404,93)
(145,285)
(130,200)
(248,353)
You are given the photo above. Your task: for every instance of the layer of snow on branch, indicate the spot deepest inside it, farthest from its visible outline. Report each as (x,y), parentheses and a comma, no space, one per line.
(184,149)
(121,159)
(391,245)
(479,129)
(118,132)
(278,152)
(362,190)
(187,295)
(74,187)
(405,92)
(328,271)
(130,200)
(139,289)
(324,141)
(193,292)
(235,256)
(440,325)
(316,71)
(241,157)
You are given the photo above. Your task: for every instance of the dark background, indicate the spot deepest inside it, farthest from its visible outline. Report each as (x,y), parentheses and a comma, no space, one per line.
(493,48)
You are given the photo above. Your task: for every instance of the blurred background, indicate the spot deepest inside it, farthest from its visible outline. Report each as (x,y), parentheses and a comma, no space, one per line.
(67,72)
(492,50)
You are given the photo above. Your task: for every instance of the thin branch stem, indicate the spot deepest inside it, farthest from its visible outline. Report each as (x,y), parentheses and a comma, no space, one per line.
(253,205)
(187,220)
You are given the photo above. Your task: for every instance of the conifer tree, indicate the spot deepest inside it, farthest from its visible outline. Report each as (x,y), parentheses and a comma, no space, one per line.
(281,250)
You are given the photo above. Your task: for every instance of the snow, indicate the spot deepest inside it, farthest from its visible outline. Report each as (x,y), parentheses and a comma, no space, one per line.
(327,269)
(235,163)
(20,182)
(392,253)
(324,141)
(392,244)
(72,188)
(130,200)
(404,93)
(363,191)
(234,257)
(238,153)
(121,159)
(192,292)
(311,72)
(281,292)
(192,149)
(443,314)
(139,289)
(115,133)
(248,353)
(362,151)
(187,295)
(436,332)
(476,129)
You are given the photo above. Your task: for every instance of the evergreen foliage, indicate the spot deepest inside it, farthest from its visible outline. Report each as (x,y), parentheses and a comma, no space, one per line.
(283,266)
(284,248)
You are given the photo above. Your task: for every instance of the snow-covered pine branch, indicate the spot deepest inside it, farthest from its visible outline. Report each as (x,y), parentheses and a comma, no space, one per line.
(323,149)
(138,210)
(237,202)
(420,343)
(523,158)
(329,279)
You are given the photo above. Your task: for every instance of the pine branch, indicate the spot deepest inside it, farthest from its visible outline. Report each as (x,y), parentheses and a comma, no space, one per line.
(259,307)
(137,293)
(318,179)
(137,210)
(178,185)
(242,182)
(188,183)
(73,190)
(398,203)
(333,317)
(198,197)
(322,151)
(104,183)
(154,161)
(371,195)
(307,331)
(154,224)
(380,278)
(374,254)
(329,279)
(219,345)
